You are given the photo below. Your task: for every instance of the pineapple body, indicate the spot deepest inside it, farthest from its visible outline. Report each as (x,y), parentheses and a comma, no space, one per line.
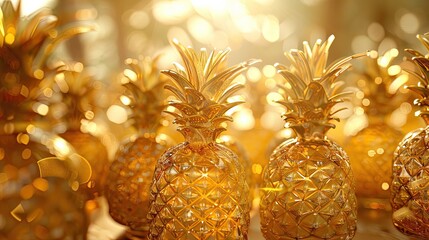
(128,183)
(93,150)
(45,208)
(243,159)
(53,212)
(308,192)
(199,192)
(410,185)
(371,153)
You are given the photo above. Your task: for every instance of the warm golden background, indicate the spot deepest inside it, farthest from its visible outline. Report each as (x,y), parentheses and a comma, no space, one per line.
(261,29)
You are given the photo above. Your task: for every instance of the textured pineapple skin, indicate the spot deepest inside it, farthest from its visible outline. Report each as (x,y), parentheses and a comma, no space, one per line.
(128,182)
(371,153)
(199,192)
(56,213)
(93,150)
(410,184)
(308,192)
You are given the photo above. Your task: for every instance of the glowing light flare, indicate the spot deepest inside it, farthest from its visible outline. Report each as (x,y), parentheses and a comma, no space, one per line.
(244,120)
(253,74)
(409,23)
(271,28)
(171,12)
(394,70)
(398,118)
(405,108)
(269,71)
(270,83)
(271,120)
(86,14)
(360,94)
(130,74)
(139,19)
(256,168)
(61,146)
(376,31)
(41,108)
(383,61)
(385,186)
(200,29)
(117,114)
(218,7)
(125,100)
(23,138)
(41,184)
(61,82)
(397,83)
(378,80)
(273,97)
(39,74)
(89,115)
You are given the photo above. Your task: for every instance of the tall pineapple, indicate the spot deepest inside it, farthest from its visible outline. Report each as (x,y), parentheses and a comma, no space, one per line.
(371,149)
(199,189)
(25,45)
(130,176)
(410,184)
(76,100)
(308,188)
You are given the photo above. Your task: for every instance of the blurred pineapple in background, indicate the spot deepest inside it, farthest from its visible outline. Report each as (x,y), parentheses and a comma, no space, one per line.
(199,189)
(74,108)
(130,175)
(410,185)
(308,189)
(26,43)
(371,148)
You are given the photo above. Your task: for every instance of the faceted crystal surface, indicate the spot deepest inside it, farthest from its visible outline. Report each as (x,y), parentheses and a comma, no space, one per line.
(371,154)
(308,192)
(129,180)
(199,192)
(410,185)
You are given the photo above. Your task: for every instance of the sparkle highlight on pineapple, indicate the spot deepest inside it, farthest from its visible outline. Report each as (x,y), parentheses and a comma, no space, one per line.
(199,190)
(130,175)
(410,184)
(308,188)
(371,148)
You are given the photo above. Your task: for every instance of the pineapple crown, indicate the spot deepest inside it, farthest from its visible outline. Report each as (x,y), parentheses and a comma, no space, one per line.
(312,89)
(25,45)
(203,87)
(144,95)
(421,72)
(380,81)
(76,88)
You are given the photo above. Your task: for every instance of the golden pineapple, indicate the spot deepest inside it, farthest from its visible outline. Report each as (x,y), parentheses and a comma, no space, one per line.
(308,189)
(77,102)
(25,45)
(371,149)
(199,190)
(410,184)
(130,176)
(243,159)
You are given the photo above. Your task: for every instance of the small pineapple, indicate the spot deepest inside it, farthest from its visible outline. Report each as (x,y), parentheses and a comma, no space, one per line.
(199,190)
(130,176)
(308,189)
(25,45)
(410,184)
(76,100)
(371,149)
